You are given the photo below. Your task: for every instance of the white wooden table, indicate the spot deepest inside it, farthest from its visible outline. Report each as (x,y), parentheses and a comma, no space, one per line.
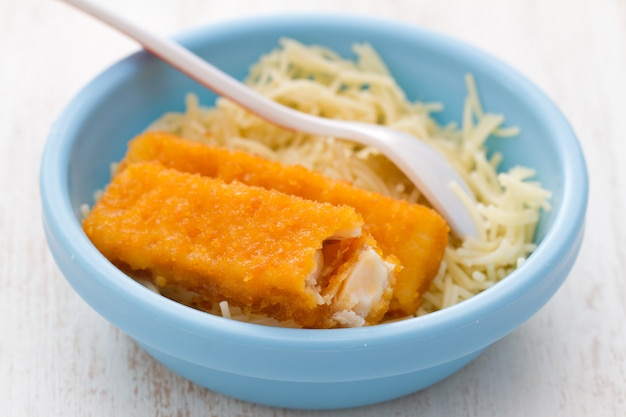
(59,358)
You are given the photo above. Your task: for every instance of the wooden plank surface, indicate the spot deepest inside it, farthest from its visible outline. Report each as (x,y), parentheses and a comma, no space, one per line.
(59,358)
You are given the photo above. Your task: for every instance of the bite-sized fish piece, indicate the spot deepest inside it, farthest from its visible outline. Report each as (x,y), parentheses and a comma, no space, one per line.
(414,233)
(261,250)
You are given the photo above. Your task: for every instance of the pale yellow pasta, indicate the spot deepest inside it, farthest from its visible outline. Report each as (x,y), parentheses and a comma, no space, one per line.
(316,80)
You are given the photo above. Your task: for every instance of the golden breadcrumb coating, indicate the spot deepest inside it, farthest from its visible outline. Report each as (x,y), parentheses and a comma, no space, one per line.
(256,248)
(414,233)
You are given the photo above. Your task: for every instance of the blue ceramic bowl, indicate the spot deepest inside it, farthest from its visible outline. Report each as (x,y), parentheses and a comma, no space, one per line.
(310,368)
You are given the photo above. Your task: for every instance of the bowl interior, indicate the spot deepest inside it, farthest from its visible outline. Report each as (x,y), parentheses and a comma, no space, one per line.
(94,129)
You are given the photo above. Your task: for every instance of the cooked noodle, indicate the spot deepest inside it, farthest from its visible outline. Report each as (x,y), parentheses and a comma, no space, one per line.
(316,80)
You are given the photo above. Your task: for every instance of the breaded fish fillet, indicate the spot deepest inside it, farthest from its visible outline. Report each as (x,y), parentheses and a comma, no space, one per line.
(416,234)
(262,250)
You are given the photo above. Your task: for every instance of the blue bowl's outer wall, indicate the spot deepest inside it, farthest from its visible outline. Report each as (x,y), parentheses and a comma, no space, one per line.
(86,141)
(312,395)
(226,366)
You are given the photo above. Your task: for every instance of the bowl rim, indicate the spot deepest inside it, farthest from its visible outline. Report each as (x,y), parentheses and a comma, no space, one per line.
(61,218)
